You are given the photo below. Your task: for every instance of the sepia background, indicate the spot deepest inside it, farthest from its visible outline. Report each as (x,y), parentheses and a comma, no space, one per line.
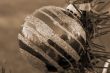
(12,14)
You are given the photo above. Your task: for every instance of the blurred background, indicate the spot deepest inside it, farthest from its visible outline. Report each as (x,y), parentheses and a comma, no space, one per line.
(12,14)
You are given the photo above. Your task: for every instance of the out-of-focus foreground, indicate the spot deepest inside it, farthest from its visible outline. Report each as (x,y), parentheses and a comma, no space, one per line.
(12,14)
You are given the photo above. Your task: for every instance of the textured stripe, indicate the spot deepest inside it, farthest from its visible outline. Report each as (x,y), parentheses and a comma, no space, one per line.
(40,40)
(64,19)
(36,50)
(52,52)
(49,46)
(36,54)
(67,48)
(73,54)
(80,38)
(61,22)
(61,50)
(30,50)
(44,39)
(49,21)
(40,26)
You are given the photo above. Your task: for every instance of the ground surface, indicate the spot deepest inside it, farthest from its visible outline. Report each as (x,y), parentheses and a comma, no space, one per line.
(12,13)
